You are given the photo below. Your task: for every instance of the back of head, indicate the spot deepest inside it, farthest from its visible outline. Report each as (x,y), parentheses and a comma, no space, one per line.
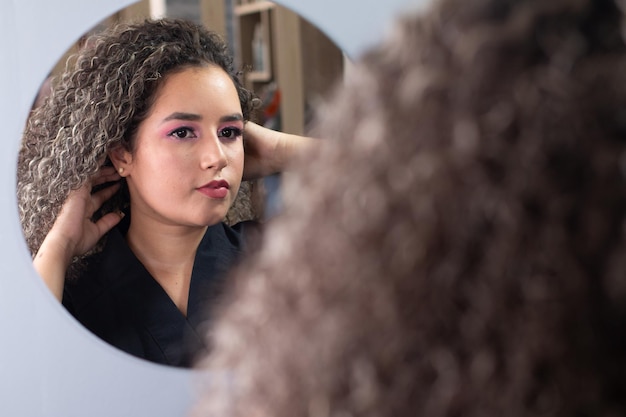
(455,247)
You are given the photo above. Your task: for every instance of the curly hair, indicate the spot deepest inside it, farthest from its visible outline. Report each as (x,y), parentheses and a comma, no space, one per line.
(459,250)
(98,104)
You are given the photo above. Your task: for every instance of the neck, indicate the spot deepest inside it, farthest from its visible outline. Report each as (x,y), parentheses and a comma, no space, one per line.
(168,253)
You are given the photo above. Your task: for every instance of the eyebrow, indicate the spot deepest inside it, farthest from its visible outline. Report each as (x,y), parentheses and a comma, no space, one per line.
(183,116)
(235,117)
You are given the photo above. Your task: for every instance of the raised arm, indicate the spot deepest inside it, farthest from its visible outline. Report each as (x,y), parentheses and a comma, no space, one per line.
(269,151)
(73,232)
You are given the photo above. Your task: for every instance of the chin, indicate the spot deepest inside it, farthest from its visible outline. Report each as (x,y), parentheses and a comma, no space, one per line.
(214,219)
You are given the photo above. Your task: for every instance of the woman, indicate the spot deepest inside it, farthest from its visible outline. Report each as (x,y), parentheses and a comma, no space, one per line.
(150,121)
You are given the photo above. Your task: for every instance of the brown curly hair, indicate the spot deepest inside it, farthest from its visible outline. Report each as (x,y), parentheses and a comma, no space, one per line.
(98,104)
(457,247)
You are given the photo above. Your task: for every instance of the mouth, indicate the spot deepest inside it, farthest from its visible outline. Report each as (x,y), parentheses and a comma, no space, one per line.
(215,189)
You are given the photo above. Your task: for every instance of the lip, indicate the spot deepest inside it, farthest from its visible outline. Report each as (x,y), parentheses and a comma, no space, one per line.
(217,189)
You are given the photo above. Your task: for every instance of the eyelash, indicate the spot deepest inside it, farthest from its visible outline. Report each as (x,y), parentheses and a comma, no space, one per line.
(235,132)
(186,129)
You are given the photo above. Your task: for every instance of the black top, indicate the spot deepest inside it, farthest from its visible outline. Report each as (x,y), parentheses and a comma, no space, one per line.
(117,299)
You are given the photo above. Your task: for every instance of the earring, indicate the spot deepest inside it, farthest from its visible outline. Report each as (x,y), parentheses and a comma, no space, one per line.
(120,170)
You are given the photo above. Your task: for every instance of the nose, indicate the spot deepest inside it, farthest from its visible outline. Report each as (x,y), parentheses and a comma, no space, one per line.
(212,155)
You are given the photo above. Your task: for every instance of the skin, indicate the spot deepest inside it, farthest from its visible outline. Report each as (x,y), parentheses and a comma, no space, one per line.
(192,136)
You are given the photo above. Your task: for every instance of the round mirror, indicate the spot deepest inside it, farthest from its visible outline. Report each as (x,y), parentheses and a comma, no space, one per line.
(147,287)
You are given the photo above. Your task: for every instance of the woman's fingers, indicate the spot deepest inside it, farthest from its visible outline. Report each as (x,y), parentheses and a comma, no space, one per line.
(106,174)
(99,197)
(107,222)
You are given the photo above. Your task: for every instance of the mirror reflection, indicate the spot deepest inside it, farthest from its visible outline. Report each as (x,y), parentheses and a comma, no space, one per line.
(131,165)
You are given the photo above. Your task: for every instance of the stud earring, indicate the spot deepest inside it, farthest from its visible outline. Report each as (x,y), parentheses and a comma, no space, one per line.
(120,170)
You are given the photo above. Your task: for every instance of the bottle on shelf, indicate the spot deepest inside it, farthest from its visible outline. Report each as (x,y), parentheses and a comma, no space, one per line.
(258,49)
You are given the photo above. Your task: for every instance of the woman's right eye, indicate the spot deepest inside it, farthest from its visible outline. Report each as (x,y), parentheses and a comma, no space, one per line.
(183,133)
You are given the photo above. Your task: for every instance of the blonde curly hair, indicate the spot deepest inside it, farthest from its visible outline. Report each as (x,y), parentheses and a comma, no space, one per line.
(98,104)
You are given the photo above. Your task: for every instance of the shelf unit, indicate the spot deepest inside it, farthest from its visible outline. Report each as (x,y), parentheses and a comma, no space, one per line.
(295,56)
(254,19)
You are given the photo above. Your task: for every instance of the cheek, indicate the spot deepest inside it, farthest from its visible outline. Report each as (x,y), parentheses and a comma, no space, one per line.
(237,155)
(163,166)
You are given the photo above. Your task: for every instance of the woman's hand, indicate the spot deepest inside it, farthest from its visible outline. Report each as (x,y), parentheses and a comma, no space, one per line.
(268,151)
(73,233)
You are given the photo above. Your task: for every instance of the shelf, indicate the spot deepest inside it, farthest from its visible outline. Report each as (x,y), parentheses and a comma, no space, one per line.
(257,57)
(258,76)
(254,7)
(278,50)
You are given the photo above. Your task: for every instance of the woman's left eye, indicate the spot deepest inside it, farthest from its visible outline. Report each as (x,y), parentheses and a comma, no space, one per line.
(183,133)
(230,132)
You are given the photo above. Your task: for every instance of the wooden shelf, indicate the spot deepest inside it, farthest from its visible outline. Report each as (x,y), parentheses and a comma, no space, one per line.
(258,76)
(254,7)
(258,59)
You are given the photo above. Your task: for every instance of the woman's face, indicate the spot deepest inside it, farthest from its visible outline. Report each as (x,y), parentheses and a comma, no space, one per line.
(187,162)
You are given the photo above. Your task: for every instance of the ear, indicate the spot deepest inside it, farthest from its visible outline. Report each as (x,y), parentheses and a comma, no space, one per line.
(122,159)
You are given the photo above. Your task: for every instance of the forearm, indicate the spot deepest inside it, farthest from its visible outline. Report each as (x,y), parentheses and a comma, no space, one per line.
(51,263)
(288,147)
(270,151)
